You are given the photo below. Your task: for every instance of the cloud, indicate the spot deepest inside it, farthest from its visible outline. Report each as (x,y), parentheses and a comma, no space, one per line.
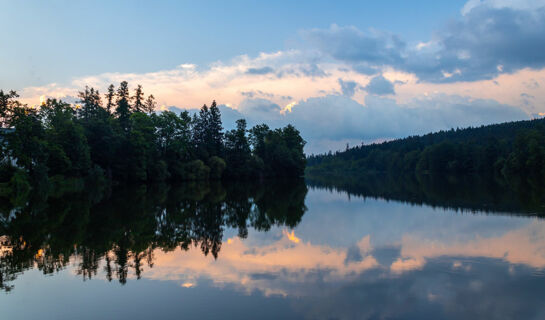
(380,86)
(348,88)
(260,71)
(342,119)
(484,42)
(277,268)
(312,70)
(365,49)
(499,4)
(439,267)
(484,67)
(229,116)
(329,122)
(260,110)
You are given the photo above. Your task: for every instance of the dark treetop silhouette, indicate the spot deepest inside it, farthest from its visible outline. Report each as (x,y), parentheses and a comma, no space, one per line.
(509,153)
(125,140)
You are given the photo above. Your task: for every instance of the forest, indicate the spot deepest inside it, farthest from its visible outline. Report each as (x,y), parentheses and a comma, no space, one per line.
(508,151)
(120,137)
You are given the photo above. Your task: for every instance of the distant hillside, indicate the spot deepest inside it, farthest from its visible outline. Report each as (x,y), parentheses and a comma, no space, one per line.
(514,149)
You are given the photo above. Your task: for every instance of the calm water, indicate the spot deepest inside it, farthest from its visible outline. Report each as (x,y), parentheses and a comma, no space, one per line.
(266,252)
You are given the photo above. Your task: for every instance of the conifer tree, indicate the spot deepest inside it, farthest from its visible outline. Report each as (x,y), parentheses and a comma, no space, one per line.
(200,127)
(123,109)
(150,104)
(214,131)
(91,103)
(237,150)
(138,99)
(110,98)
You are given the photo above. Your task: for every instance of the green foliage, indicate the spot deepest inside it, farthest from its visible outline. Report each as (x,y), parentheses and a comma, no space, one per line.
(150,104)
(136,144)
(280,150)
(27,142)
(110,96)
(66,140)
(505,151)
(138,99)
(123,109)
(237,151)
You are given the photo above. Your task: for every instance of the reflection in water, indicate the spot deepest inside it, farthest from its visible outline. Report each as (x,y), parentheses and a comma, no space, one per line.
(467,193)
(125,229)
(315,254)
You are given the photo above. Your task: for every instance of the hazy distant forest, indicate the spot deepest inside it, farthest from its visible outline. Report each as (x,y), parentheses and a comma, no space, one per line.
(514,150)
(120,137)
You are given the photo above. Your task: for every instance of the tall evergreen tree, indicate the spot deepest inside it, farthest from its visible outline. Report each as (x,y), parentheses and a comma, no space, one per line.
(91,103)
(110,98)
(150,104)
(200,127)
(123,109)
(214,131)
(237,150)
(138,99)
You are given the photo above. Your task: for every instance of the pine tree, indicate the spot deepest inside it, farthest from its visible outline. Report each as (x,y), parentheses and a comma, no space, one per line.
(150,104)
(214,131)
(91,103)
(123,109)
(237,150)
(110,98)
(138,99)
(200,128)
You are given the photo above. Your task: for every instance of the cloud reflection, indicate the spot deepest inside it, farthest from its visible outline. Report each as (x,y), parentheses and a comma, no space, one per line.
(291,266)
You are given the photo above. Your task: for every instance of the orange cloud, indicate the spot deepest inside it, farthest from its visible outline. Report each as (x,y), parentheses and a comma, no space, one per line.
(286,260)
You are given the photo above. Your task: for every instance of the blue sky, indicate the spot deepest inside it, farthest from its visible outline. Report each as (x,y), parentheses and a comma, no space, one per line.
(52,41)
(380,69)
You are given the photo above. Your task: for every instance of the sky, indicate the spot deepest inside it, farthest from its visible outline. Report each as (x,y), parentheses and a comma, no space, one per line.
(340,71)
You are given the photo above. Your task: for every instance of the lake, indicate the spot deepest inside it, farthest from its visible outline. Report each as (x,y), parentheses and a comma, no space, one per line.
(282,250)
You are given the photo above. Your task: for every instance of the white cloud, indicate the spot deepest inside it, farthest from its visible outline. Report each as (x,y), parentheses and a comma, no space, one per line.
(499,4)
(330,87)
(339,118)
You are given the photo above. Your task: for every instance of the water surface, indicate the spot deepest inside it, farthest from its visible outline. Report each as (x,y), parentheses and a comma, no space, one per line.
(268,251)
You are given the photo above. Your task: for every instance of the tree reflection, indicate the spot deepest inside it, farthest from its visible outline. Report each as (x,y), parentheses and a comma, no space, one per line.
(465,193)
(122,230)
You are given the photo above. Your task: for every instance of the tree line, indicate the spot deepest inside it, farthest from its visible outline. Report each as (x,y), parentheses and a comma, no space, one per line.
(120,136)
(513,150)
